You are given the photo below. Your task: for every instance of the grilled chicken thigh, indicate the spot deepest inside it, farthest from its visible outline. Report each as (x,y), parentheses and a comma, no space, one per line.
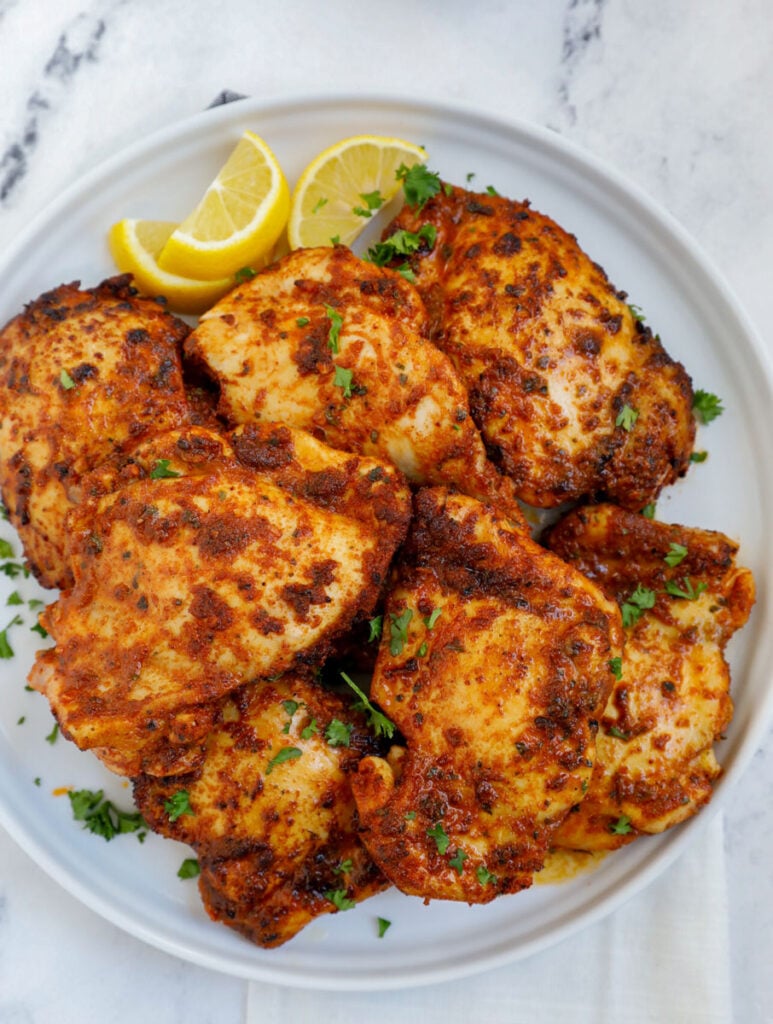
(683,597)
(573,394)
(326,342)
(494,662)
(200,566)
(270,811)
(83,375)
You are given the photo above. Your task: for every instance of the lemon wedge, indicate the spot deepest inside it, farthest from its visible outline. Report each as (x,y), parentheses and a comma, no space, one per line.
(344,186)
(135,245)
(238,219)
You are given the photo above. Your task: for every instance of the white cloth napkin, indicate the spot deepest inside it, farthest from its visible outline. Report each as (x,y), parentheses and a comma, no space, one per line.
(660,958)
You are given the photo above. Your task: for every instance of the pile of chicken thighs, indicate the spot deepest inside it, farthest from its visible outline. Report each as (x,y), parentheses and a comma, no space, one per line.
(232,513)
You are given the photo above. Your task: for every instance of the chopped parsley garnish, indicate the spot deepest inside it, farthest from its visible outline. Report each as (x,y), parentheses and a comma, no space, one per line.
(343,379)
(376,625)
(189,868)
(401,243)
(309,730)
(383,926)
(15,598)
(437,833)
(373,201)
(627,417)
(377,721)
(335,240)
(405,271)
(285,754)
(244,274)
(6,651)
(622,826)
(398,628)
(419,184)
(689,593)
(37,628)
(491,190)
(423,648)
(101,816)
(640,600)
(336,323)
(617,733)
(178,805)
(616,667)
(636,313)
(698,456)
(6,549)
(484,876)
(410,815)
(22,720)
(676,554)
(457,861)
(344,868)
(322,201)
(302,321)
(12,570)
(53,735)
(290,707)
(161,471)
(649,511)
(66,380)
(338,733)
(469,176)
(432,618)
(340,900)
(706,406)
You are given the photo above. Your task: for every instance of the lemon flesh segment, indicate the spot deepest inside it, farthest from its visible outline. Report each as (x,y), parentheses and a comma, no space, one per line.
(336,183)
(135,245)
(237,221)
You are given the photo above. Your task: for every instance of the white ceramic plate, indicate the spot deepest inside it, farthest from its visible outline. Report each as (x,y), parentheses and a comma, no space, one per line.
(645,252)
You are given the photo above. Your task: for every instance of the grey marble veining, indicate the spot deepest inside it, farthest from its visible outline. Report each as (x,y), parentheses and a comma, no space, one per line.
(677,96)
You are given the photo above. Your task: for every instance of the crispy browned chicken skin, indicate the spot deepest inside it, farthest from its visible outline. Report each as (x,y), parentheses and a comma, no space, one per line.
(551,354)
(83,374)
(327,342)
(655,764)
(276,839)
(493,664)
(200,566)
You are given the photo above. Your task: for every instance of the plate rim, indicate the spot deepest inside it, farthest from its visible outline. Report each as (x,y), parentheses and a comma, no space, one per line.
(630,192)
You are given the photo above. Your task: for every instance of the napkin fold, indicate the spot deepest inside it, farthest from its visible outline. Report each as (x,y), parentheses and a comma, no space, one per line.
(662,957)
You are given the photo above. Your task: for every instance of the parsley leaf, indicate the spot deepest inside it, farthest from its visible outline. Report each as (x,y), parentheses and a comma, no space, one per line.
(639,601)
(309,730)
(161,471)
(698,456)
(401,243)
(340,900)
(338,733)
(457,861)
(398,628)
(6,549)
(649,511)
(431,619)
(285,754)
(676,554)
(491,190)
(322,201)
(244,274)
(344,868)
(616,667)
(373,201)
(189,868)
(343,379)
(376,625)
(617,733)
(706,406)
(336,323)
(377,721)
(6,651)
(484,876)
(622,826)
(302,321)
(15,598)
(636,313)
(178,805)
(383,926)
(689,593)
(53,735)
(290,707)
(419,184)
(66,380)
(627,417)
(437,832)
(101,816)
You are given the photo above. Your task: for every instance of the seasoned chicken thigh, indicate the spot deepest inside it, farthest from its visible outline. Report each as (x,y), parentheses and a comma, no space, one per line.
(682,597)
(494,663)
(83,375)
(573,394)
(270,811)
(326,342)
(200,566)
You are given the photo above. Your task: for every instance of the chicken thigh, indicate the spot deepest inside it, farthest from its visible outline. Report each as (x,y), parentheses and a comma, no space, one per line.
(572,392)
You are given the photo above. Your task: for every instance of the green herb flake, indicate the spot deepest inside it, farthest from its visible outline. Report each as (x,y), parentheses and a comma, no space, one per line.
(309,730)
(410,815)
(161,471)
(15,598)
(290,707)
(398,629)
(343,379)
(698,456)
(6,549)
(419,184)
(491,190)
(404,270)
(422,651)
(66,380)
(622,826)
(37,780)
(376,625)
(101,816)
(432,618)
(383,926)
(373,201)
(244,274)
(336,323)
(401,243)
(484,876)
(285,754)
(322,201)
(649,511)
(302,321)
(22,720)
(616,667)
(178,805)
(338,733)
(617,733)
(457,861)
(53,735)
(640,600)
(40,630)
(189,868)
(636,313)
(335,240)
(706,406)
(340,900)
(688,592)
(627,418)
(377,721)
(437,833)
(676,554)
(344,868)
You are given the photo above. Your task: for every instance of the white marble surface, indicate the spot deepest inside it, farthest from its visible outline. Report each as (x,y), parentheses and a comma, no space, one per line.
(674,93)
